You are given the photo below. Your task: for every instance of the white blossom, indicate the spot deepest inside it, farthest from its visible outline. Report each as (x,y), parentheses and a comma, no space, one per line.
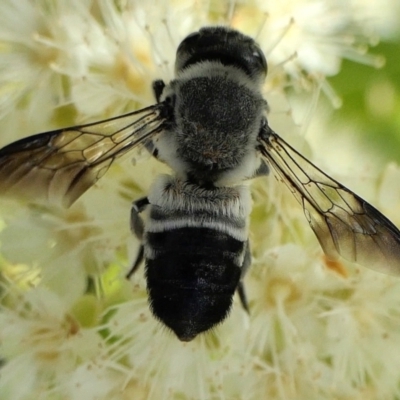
(72,326)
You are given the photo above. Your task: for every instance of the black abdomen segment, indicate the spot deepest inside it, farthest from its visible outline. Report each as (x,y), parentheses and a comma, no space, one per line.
(191,277)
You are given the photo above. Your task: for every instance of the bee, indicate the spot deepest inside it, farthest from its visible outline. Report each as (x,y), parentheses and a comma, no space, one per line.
(209,125)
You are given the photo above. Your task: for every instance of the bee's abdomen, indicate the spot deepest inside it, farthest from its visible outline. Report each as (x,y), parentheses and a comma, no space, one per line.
(192,277)
(194,244)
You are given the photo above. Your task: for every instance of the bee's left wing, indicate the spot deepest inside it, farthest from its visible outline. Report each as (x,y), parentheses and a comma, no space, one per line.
(61,165)
(343,222)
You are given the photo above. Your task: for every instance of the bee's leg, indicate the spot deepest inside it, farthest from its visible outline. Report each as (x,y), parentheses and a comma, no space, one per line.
(137,228)
(151,148)
(240,289)
(158,87)
(262,170)
(136,264)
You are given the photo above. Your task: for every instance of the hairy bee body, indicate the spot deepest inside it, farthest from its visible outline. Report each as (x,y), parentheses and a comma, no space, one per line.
(195,240)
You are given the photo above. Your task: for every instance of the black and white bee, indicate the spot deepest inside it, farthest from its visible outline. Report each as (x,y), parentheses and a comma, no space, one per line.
(210,126)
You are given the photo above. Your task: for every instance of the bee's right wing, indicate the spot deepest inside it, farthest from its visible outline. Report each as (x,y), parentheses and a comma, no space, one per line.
(59,166)
(344,223)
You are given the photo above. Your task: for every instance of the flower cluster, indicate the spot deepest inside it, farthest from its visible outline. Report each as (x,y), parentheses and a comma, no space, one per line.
(72,326)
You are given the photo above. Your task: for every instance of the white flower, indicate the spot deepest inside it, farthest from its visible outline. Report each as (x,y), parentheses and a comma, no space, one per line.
(30,43)
(71,326)
(40,339)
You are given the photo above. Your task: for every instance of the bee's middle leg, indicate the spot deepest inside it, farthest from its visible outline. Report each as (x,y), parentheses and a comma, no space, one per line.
(137,228)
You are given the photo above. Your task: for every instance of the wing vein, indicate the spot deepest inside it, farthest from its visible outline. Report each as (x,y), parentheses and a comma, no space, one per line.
(343,222)
(59,166)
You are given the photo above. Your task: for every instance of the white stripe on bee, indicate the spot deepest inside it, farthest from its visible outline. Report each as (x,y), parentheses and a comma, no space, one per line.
(153,226)
(170,193)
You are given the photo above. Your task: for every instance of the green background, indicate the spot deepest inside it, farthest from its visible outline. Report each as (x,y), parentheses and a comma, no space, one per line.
(368,106)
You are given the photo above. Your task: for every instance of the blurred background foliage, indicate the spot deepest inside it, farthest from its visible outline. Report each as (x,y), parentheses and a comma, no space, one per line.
(371,101)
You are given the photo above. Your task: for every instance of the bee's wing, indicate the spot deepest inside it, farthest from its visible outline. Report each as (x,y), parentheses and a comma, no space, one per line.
(61,165)
(343,222)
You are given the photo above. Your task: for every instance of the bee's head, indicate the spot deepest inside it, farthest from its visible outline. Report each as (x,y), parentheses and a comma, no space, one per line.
(225,45)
